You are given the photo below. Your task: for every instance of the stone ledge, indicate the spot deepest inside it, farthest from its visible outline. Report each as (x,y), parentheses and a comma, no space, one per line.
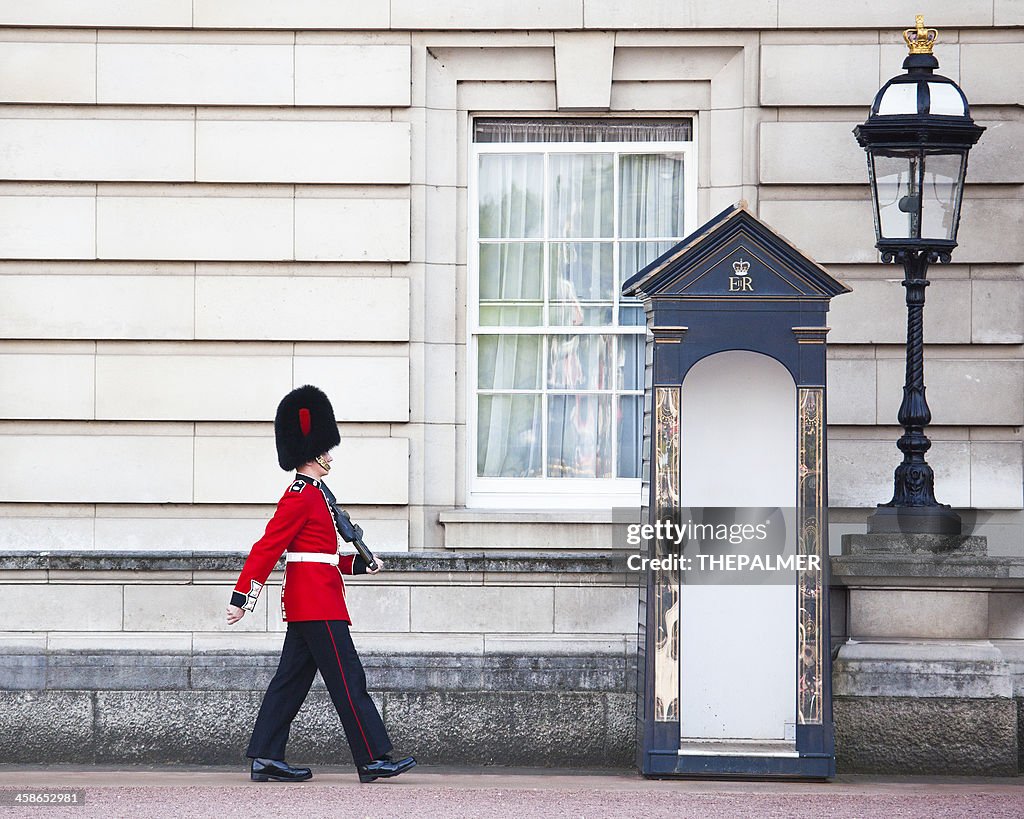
(957,570)
(179,671)
(426,561)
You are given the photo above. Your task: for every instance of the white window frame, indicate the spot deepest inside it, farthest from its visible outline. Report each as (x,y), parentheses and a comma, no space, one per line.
(547,492)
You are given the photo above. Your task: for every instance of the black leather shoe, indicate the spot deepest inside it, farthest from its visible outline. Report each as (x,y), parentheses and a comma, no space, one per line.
(277,770)
(383,768)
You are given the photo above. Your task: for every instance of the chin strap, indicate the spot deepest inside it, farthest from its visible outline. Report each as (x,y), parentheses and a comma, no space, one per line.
(320,459)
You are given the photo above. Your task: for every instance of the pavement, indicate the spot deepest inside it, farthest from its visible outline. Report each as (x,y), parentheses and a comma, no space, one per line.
(225,793)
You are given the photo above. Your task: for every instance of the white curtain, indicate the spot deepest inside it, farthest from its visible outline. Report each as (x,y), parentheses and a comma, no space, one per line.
(550,372)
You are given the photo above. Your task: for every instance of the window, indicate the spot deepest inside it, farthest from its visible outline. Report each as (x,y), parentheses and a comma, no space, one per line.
(562,213)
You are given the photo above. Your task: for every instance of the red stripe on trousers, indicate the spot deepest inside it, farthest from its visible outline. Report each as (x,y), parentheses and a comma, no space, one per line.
(350,705)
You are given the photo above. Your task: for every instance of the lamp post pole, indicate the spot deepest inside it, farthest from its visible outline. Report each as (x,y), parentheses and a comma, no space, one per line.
(917,138)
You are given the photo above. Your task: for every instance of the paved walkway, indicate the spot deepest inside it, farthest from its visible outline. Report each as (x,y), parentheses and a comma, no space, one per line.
(522,794)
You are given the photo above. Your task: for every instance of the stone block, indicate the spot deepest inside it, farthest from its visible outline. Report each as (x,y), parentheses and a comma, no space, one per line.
(229,227)
(173,726)
(353,75)
(42,534)
(440,318)
(125,641)
(87,306)
(47,227)
(271,308)
(48,72)
(296,14)
(997,469)
(95,13)
(114,150)
(127,459)
(991,72)
(42,607)
(811,153)
(850,236)
(375,470)
(851,391)
(67,715)
(440,464)
(466,14)
(830,75)
(876,312)
(158,534)
(190,387)
(1006,615)
(946,615)
(184,608)
(307,151)
(596,610)
(960,391)
(860,472)
(1008,12)
(360,230)
(509,96)
(988,230)
(348,380)
(35,376)
(907,735)
(997,312)
(664,14)
(192,73)
(583,69)
(896,15)
(887,544)
(22,671)
(687,95)
(80,671)
(467,609)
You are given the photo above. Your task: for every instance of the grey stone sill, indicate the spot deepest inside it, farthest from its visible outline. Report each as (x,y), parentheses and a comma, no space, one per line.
(941,570)
(435,561)
(519,516)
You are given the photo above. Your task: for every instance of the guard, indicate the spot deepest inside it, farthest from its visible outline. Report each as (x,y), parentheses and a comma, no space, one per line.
(312,603)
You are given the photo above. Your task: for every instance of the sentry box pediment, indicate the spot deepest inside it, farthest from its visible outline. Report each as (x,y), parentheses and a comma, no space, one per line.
(736,678)
(734,256)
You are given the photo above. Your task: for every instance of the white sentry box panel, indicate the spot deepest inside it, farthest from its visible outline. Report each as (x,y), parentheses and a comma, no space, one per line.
(738,643)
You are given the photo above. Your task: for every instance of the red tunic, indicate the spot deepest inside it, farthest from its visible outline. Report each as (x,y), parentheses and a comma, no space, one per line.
(302,523)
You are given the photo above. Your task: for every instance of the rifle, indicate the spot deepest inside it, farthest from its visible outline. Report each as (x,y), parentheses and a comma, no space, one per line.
(353,533)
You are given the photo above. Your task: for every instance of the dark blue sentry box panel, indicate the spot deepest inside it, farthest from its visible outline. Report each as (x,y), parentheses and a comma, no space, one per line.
(735,284)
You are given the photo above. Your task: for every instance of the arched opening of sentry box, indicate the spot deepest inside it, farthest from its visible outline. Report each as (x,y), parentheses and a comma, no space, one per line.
(737,445)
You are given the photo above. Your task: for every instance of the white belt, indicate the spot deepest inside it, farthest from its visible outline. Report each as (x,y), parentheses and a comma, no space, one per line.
(312,557)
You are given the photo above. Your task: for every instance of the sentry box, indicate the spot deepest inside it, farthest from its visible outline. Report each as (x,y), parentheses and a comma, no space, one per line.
(735,676)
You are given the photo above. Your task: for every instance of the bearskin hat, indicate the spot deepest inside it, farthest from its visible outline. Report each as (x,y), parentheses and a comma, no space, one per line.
(304,427)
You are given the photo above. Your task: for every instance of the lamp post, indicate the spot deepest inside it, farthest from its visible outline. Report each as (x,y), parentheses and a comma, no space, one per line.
(917,138)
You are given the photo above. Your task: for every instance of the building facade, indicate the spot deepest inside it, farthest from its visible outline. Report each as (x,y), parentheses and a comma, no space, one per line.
(428,210)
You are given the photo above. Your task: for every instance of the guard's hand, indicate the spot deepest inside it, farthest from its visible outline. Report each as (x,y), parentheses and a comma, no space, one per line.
(380,565)
(234,614)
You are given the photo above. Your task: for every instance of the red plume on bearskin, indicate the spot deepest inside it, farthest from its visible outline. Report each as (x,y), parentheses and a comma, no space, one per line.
(304,427)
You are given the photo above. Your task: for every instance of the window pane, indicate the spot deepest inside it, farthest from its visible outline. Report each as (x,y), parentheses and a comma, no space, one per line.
(511,284)
(581,195)
(631,313)
(631,408)
(635,256)
(631,363)
(579,439)
(580,362)
(511,195)
(509,362)
(938,209)
(509,436)
(580,273)
(651,195)
(896,181)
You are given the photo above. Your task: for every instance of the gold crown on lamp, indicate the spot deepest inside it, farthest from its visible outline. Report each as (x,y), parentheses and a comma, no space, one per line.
(920,40)
(741,267)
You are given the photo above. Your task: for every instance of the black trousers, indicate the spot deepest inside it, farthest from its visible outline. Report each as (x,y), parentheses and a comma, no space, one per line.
(323,645)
